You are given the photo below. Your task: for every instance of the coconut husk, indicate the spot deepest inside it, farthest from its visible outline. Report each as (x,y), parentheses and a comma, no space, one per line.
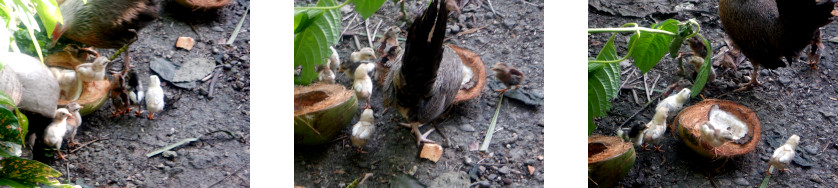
(609,160)
(92,96)
(203,4)
(687,126)
(321,111)
(473,61)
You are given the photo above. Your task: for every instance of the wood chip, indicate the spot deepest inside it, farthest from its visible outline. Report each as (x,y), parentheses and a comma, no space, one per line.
(431,152)
(339,171)
(185,43)
(531,168)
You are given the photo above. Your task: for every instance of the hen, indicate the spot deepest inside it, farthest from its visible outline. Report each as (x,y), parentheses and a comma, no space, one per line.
(423,85)
(766,30)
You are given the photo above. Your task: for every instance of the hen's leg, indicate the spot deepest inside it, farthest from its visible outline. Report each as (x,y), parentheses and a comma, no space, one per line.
(815,50)
(753,83)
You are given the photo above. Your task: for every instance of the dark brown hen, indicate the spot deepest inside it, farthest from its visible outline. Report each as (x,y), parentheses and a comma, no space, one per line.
(423,85)
(767,30)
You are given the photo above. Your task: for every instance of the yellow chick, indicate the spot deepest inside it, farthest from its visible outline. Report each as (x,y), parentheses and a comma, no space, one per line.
(363,83)
(68,82)
(356,58)
(713,136)
(727,121)
(73,122)
(363,130)
(784,154)
(676,101)
(54,133)
(325,74)
(655,129)
(90,72)
(154,97)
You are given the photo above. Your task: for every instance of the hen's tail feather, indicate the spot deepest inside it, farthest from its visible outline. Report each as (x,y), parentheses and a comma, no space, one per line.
(422,54)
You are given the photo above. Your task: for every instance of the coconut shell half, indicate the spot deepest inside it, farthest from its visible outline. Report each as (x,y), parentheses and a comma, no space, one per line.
(321,111)
(688,123)
(203,4)
(92,96)
(473,61)
(609,160)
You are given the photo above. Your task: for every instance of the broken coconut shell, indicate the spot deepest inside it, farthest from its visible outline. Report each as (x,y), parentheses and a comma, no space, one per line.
(609,160)
(92,96)
(203,4)
(689,121)
(473,61)
(321,111)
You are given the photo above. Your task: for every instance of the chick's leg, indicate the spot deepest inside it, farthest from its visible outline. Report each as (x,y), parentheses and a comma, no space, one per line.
(150,115)
(658,148)
(60,155)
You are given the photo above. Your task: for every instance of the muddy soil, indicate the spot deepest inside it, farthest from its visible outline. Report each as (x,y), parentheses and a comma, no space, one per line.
(792,100)
(513,35)
(119,159)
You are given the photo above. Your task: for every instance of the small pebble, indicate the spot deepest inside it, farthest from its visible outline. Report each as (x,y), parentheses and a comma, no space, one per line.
(217,29)
(169,154)
(467,127)
(492,176)
(504,170)
(741,181)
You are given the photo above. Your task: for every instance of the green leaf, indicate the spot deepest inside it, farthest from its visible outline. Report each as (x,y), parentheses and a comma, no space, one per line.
(28,171)
(704,70)
(311,46)
(674,46)
(603,84)
(649,47)
(10,129)
(304,17)
(13,183)
(367,7)
(49,14)
(10,149)
(594,66)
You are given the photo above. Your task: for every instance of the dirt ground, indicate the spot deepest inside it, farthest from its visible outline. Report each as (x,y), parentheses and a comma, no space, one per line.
(793,100)
(118,159)
(514,35)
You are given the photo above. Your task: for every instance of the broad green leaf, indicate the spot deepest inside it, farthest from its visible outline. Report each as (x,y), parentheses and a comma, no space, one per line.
(704,70)
(311,46)
(49,14)
(367,7)
(10,149)
(28,171)
(594,66)
(649,48)
(13,183)
(22,120)
(603,84)
(674,46)
(10,129)
(303,18)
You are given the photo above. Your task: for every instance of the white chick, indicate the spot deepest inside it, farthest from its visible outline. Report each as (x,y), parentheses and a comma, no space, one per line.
(73,122)
(54,133)
(726,121)
(363,83)
(676,101)
(655,129)
(154,97)
(713,136)
(784,154)
(68,82)
(90,72)
(334,60)
(365,54)
(467,75)
(325,74)
(363,130)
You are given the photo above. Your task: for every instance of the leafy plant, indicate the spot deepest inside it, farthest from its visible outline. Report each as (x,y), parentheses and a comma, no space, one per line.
(316,28)
(18,17)
(647,46)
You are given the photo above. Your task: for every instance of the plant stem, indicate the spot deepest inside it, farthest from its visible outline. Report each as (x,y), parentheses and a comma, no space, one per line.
(325,8)
(629,29)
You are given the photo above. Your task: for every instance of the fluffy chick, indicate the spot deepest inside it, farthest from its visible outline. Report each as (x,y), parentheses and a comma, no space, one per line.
(68,82)
(91,72)
(655,129)
(334,60)
(356,58)
(784,154)
(119,95)
(325,74)
(728,122)
(135,91)
(388,49)
(55,131)
(363,130)
(714,136)
(73,122)
(154,96)
(676,101)
(507,74)
(363,83)
(633,134)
